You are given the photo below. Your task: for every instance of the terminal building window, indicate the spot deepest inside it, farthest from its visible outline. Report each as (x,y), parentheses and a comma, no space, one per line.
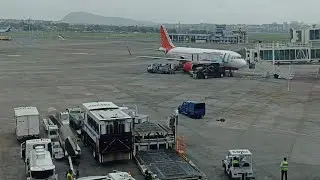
(314,34)
(317,53)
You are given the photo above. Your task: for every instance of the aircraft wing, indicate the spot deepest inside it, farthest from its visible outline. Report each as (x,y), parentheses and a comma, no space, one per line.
(167,58)
(178,59)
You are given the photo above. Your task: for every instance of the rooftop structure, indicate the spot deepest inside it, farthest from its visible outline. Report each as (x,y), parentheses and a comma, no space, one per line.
(99,105)
(236,152)
(26,111)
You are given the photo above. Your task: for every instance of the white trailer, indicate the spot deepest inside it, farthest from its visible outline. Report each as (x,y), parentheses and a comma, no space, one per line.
(27,122)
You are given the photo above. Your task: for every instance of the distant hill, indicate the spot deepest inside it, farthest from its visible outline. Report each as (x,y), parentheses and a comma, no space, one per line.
(89,18)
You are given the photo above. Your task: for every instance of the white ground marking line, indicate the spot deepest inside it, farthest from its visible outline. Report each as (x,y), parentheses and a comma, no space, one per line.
(88,94)
(80,53)
(13,55)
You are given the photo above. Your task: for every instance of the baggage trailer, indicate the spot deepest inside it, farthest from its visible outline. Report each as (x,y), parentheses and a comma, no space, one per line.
(156,152)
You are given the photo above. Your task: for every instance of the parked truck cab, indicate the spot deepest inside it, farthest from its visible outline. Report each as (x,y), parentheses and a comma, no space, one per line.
(192,109)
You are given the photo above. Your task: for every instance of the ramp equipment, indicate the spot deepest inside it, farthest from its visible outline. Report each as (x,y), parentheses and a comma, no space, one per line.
(156,151)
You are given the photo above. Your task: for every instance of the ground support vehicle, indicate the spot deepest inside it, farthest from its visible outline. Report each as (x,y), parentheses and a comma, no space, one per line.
(66,137)
(5,38)
(57,150)
(76,118)
(107,130)
(205,71)
(37,156)
(156,152)
(161,68)
(27,123)
(192,109)
(241,170)
(51,129)
(115,175)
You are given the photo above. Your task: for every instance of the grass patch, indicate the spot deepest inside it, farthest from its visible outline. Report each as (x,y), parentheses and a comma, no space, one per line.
(268,37)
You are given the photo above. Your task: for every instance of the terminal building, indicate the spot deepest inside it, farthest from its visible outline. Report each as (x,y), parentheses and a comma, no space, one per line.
(304,46)
(221,35)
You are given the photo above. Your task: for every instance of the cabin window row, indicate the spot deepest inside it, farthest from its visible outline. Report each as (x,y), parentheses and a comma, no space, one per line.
(92,123)
(115,128)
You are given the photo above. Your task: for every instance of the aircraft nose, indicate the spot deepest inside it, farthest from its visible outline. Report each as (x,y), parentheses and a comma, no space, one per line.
(243,62)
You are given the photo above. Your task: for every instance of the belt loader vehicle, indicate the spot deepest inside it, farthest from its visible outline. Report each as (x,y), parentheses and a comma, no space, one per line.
(238,164)
(27,123)
(107,130)
(37,156)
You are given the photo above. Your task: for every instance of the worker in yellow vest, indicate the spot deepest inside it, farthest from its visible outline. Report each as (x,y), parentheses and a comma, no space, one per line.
(284,168)
(70,175)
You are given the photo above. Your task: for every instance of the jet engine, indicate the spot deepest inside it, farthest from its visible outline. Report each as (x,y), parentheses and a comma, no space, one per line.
(187,66)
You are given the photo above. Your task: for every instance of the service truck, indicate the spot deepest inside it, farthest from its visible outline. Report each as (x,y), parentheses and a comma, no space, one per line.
(27,122)
(37,156)
(51,129)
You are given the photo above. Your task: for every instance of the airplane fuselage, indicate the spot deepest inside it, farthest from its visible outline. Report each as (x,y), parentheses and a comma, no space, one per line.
(231,60)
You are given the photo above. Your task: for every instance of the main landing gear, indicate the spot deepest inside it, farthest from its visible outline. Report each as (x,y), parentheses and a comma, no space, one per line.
(230,74)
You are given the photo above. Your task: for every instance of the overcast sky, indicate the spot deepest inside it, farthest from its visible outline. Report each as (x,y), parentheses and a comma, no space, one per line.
(170,11)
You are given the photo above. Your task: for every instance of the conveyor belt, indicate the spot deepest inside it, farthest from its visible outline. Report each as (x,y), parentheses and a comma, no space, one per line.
(167,165)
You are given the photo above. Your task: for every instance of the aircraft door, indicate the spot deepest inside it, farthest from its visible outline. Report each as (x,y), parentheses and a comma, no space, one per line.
(23,150)
(226,58)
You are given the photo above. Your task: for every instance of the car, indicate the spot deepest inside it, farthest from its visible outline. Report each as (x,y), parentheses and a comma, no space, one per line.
(192,109)
(242,169)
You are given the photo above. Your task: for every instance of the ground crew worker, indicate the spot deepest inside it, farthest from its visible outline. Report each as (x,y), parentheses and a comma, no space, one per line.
(284,168)
(235,162)
(70,175)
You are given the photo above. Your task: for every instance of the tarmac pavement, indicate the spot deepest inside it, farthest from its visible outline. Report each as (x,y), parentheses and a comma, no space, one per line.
(261,114)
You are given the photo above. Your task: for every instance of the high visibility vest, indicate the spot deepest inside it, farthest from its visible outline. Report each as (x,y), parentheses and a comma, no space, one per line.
(69,176)
(284,166)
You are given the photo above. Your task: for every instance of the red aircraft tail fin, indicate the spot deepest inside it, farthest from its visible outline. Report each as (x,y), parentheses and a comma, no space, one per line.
(165,39)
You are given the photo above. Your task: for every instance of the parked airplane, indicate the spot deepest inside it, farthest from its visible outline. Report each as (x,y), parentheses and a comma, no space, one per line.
(191,56)
(5,30)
